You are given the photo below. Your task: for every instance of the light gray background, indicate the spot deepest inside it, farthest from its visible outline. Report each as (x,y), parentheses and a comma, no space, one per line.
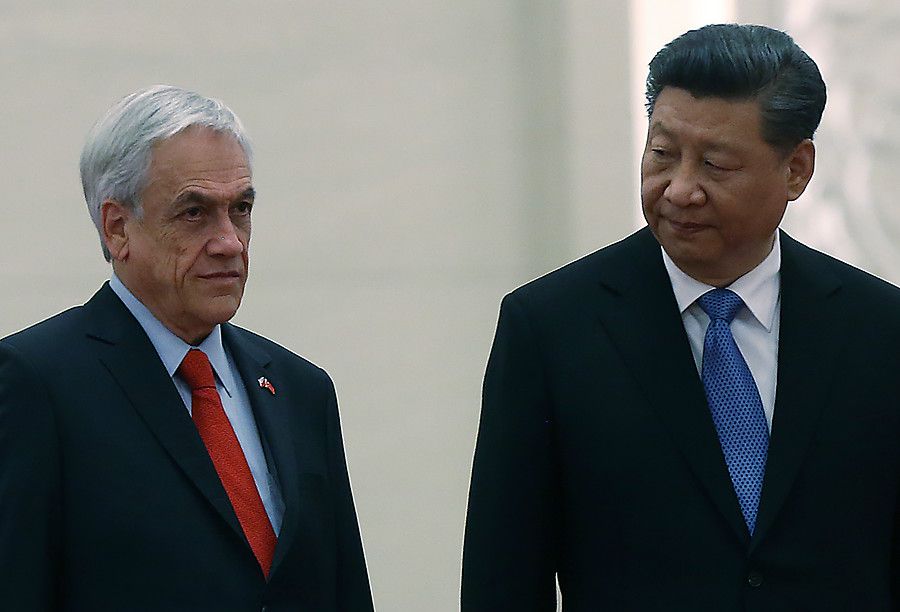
(415,160)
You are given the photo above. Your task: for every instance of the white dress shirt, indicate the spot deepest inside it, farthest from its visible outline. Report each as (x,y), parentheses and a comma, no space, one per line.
(755,327)
(171,350)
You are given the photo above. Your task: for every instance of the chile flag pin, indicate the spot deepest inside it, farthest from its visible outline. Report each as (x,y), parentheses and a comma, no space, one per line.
(265,384)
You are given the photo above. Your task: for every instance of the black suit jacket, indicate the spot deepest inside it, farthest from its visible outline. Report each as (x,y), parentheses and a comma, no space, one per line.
(109,501)
(597,459)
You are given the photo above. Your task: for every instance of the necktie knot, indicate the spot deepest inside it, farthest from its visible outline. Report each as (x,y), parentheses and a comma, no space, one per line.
(196,370)
(720,304)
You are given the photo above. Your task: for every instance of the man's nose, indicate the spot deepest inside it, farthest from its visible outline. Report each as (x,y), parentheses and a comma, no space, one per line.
(225,240)
(684,189)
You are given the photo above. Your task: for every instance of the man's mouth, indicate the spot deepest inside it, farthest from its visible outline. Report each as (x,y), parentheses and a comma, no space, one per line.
(687,226)
(221,275)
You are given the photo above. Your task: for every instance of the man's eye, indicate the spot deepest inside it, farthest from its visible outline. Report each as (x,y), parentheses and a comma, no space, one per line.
(193,212)
(714,166)
(243,208)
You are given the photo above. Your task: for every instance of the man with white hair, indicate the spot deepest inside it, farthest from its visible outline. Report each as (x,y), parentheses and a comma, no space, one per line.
(152,455)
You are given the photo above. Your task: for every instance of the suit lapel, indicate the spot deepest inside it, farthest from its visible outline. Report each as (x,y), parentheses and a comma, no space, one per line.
(811,333)
(639,313)
(272,420)
(132,361)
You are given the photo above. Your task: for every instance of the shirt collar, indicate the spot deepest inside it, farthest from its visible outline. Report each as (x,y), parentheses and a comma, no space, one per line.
(171,348)
(759,288)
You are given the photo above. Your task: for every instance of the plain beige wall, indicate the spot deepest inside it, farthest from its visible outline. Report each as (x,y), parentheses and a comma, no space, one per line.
(415,160)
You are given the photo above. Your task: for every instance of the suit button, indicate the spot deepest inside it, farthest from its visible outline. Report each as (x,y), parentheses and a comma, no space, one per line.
(754,579)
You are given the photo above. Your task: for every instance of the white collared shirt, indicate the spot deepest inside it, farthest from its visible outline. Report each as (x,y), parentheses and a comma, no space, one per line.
(171,350)
(755,327)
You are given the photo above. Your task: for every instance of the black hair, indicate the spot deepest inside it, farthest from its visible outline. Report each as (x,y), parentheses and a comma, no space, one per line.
(746,62)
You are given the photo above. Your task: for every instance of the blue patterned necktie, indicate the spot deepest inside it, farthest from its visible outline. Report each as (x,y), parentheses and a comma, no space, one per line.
(734,401)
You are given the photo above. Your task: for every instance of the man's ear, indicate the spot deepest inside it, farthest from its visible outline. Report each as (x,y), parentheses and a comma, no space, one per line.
(800,166)
(114,216)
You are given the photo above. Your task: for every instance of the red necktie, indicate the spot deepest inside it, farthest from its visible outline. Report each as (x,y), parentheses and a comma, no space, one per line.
(227,457)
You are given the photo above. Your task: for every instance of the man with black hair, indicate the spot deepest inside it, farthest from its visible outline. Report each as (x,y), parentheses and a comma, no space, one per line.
(704,415)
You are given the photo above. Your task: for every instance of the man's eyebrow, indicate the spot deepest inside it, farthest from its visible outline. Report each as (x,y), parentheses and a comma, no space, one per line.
(657,127)
(660,129)
(192,196)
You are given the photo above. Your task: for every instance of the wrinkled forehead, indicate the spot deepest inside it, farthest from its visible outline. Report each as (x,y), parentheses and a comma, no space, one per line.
(680,114)
(201,160)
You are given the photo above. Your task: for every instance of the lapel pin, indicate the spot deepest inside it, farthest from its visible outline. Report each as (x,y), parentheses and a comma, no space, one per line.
(265,384)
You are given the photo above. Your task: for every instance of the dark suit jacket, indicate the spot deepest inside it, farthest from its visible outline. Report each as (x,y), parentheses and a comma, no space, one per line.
(597,458)
(109,501)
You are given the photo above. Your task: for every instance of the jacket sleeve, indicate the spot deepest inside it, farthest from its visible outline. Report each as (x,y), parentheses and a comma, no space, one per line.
(510,549)
(29,488)
(354,594)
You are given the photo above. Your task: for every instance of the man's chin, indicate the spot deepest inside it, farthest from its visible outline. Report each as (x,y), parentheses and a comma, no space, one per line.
(222,308)
(223,315)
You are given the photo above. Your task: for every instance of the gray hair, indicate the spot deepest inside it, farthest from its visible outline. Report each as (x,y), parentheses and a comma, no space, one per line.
(116,156)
